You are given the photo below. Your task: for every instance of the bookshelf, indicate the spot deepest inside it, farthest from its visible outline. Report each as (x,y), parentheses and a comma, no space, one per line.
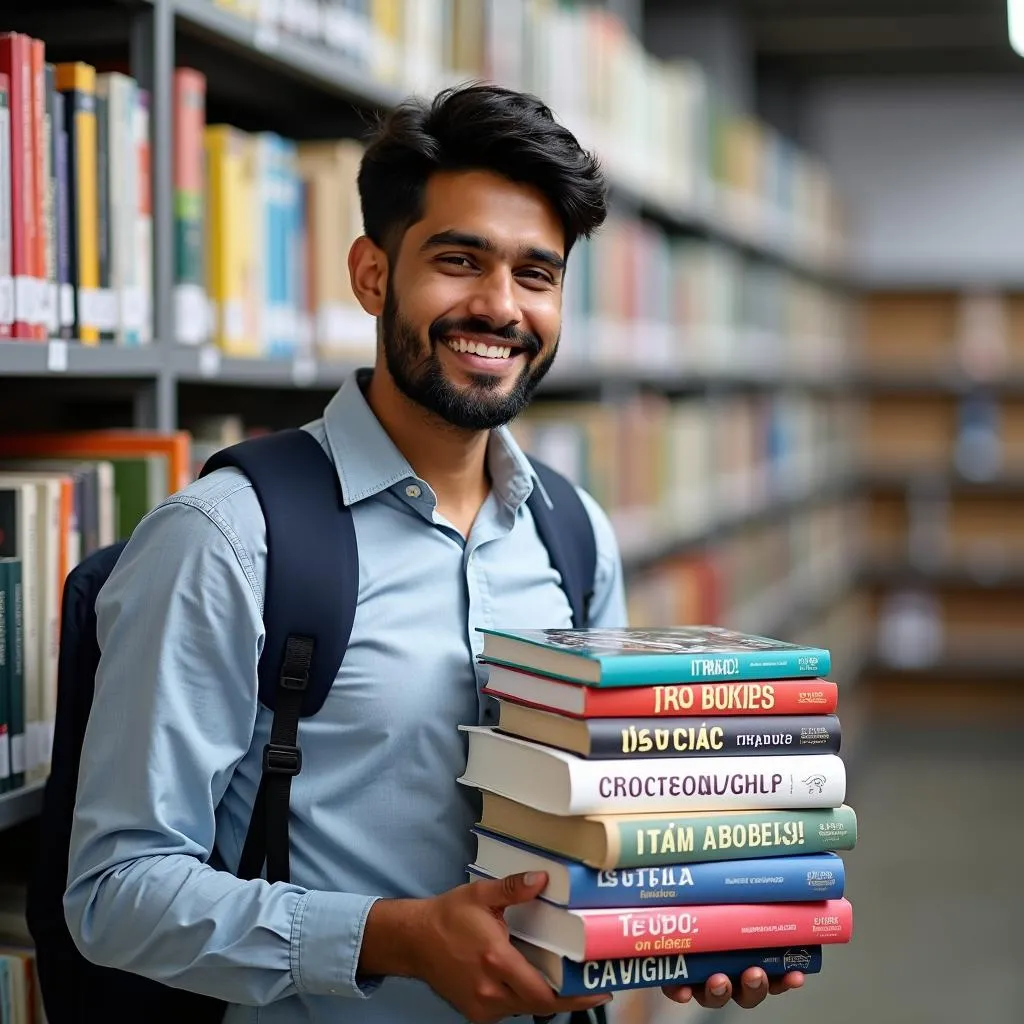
(743,385)
(943,456)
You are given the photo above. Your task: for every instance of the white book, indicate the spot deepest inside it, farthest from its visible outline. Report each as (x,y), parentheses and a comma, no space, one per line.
(562,783)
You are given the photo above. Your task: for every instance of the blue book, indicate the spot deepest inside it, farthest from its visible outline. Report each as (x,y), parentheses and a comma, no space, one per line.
(592,977)
(648,657)
(795,879)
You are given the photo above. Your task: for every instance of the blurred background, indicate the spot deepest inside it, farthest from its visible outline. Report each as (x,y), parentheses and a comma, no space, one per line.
(792,366)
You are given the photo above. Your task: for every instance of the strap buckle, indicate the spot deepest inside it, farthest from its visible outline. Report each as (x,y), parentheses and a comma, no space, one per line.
(282,759)
(289,682)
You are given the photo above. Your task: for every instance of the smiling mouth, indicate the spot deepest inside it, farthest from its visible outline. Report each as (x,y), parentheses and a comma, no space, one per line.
(465,346)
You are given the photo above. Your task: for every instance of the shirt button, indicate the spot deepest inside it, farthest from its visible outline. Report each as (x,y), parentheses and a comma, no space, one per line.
(412,491)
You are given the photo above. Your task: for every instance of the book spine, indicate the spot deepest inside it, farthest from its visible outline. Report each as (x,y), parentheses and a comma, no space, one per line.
(14,62)
(742,665)
(104,169)
(592,977)
(755,880)
(706,929)
(65,281)
(191,316)
(780,697)
(6,278)
(15,657)
(715,837)
(144,218)
(6,682)
(40,186)
(782,734)
(52,296)
(772,781)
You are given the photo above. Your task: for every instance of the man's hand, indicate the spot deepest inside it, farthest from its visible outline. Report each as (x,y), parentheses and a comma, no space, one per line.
(718,990)
(458,943)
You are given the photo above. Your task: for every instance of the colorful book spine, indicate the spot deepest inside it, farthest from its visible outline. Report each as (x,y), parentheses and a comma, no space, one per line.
(13,656)
(779,697)
(191,316)
(605,934)
(6,682)
(754,880)
(52,291)
(593,977)
(15,62)
(144,220)
(62,199)
(77,81)
(6,277)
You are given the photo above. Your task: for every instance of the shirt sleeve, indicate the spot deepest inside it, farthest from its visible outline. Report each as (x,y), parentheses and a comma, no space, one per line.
(180,630)
(608,608)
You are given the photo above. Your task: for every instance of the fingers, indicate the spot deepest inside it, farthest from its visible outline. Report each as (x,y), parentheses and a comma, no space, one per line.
(533,994)
(751,989)
(498,893)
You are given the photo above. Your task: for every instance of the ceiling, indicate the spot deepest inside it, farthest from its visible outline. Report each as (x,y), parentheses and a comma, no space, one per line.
(812,38)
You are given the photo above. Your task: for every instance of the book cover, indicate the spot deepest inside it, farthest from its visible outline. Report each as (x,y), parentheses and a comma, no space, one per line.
(606,841)
(6,276)
(672,737)
(563,783)
(774,697)
(13,658)
(592,977)
(600,934)
(749,880)
(635,657)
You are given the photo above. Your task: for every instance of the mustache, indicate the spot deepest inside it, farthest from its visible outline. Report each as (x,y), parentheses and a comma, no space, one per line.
(510,333)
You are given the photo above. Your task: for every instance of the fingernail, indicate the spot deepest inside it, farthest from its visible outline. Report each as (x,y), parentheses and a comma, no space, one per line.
(530,878)
(754,985)
(719,989)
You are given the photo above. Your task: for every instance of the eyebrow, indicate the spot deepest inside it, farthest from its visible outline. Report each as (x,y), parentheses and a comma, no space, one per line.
(465,240)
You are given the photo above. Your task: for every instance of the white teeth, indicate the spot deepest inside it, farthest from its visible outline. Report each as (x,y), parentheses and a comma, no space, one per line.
(479,348)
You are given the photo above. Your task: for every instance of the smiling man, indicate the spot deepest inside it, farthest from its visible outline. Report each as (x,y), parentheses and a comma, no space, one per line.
(472,205)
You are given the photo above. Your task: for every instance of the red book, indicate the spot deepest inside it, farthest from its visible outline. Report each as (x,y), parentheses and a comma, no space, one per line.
(16,63)
(770,697)
(37,59)
(653,931)
(6,281)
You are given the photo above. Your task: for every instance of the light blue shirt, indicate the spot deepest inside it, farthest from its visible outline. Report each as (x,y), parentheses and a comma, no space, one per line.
(171,761)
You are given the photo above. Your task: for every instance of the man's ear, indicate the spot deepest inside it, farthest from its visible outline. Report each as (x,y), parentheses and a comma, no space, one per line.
(368,273)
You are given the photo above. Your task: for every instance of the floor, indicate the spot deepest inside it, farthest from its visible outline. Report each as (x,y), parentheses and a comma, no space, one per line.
(936,879)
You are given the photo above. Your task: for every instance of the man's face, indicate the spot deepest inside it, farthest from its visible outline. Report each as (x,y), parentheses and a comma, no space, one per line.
(473,307)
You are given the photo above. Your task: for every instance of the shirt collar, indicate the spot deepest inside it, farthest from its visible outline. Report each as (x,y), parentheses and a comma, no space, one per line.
(368,462)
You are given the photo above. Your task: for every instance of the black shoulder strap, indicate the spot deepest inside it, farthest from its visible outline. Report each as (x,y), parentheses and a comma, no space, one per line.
(310,601)
(568,534)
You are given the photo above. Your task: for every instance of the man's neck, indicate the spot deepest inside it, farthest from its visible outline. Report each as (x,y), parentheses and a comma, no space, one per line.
(452,461)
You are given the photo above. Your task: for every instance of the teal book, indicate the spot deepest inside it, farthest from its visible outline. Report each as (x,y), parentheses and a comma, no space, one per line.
(649,657)
(12,665)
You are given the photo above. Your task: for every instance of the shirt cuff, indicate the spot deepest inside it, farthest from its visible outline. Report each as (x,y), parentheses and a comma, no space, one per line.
(327,935)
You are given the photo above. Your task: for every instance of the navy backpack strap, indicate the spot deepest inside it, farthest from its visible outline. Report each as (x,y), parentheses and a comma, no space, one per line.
(312,588)
(568,534)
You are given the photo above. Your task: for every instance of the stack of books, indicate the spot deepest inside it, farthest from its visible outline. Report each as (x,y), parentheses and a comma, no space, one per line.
(684,792)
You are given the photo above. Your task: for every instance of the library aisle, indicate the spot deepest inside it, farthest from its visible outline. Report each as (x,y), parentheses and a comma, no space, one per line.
(935,878)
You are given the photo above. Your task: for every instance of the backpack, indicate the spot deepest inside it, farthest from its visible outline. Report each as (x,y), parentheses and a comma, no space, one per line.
(309,578)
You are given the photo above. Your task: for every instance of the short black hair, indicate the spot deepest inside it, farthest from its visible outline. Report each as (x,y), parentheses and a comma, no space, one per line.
(476,126)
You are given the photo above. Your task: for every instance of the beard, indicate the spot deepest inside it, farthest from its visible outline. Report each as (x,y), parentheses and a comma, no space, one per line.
(420,376)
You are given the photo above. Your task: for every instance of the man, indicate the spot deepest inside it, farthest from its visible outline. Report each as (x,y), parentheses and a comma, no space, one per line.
(471,208)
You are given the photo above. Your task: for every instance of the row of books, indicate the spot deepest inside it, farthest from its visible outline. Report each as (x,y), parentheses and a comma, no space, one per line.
(76,249)
(682,788)
(756,576)
(657,124)
(62,496)
(672,467)
(21,1000)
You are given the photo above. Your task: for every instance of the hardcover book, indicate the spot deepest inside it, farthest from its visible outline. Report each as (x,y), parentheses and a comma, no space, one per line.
(769,697)
(644,657)
(563,783)
(608,841)
(750,880)
(673,737)
(592,977)
(601,934)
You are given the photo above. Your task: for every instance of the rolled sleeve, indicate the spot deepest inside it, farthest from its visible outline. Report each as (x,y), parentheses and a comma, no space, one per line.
(327,938)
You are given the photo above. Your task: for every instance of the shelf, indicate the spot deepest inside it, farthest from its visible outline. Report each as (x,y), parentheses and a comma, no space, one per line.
(951,381)
(642,554)
(21,805)
(205,364)
(73,359)
(1010,484)
(328,70)
(989,575)
(307,62)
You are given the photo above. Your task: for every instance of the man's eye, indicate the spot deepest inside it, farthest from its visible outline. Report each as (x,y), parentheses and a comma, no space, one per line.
(458,261)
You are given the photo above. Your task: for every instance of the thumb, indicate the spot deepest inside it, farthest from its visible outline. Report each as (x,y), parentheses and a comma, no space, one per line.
(504,892)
